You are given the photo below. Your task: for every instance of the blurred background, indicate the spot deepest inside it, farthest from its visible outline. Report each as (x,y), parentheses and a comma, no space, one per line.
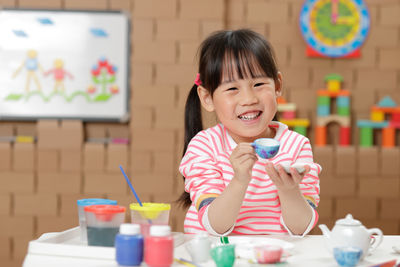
(41,181)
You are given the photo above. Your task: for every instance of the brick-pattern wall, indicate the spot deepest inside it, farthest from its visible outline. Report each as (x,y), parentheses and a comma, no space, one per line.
(40,183)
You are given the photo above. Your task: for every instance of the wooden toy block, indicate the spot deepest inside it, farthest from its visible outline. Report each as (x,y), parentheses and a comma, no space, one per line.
(394,124)
(288,115)
(24,139)
(13,182)
(396,116)
(346,161)
(5,156)
(387,101)
(286,107)
(324,101)
(379,187)
(48,134)
(333,86)
(367,161)
(323,156)
(343,121)
(323,111)
(38,204)
(54,182)
(332,187)
(388,137)
(343,101)
(389,162)
(333,94)
(344,138)
(366,137)
(386,109)
(362,208)
(281,100)
(333,77)
(296,122)
(372,124)
(343,111)
(320,136)
(387,208)
(47,160)
(377,115)
(102,183)
(23,157)
(300,130)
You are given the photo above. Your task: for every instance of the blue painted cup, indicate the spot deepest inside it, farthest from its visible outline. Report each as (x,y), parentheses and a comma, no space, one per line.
(266,148)
(347,256)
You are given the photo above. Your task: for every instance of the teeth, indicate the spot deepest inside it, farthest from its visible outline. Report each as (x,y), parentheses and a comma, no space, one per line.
(249,116)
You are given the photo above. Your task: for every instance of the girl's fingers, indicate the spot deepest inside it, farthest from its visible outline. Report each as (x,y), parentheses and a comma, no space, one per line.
(272,173)
(296,176)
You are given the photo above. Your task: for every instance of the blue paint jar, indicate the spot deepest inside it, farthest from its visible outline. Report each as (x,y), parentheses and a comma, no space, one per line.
(129,245)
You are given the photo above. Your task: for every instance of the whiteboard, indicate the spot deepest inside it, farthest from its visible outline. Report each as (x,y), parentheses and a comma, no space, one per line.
(64,64)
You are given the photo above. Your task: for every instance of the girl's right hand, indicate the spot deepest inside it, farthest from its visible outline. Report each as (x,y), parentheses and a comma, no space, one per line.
(243,158)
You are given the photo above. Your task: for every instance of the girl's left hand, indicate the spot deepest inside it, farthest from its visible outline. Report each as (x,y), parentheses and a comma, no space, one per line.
(282,180)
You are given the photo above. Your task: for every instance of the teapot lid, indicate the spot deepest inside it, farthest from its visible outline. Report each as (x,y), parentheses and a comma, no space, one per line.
(348,220)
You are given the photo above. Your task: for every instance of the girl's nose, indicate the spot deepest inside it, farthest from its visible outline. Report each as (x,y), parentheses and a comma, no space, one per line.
(248,97)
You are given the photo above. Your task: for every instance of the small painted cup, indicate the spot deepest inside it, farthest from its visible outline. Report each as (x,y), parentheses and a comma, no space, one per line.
(266,148)
(224,256)
(347,256)
(199,248)
(268,253)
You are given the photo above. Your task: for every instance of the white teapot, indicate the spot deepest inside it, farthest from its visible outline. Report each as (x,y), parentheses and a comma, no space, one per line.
(350,232)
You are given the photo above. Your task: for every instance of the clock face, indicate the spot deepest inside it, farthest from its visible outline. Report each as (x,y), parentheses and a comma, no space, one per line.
(334,28)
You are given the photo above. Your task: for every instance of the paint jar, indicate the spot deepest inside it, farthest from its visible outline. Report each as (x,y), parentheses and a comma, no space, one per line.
(103,223)
(199,248)
(224,256)
(149,214)
(159,247)
(129,245)
(268,253)
(82,203)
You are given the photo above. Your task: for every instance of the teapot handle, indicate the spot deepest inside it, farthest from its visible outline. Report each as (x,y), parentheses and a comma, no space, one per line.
(376,240)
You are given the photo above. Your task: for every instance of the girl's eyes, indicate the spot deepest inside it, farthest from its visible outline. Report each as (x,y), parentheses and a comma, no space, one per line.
(259,84)
(231,89)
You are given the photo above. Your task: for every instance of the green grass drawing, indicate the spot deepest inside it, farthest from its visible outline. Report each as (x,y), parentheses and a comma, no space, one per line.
(68,98)
(13,97)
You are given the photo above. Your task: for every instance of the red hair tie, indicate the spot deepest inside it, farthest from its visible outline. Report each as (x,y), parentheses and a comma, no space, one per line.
(197,81)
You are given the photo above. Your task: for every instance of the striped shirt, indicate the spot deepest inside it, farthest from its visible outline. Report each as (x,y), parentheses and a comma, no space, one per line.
(208,171)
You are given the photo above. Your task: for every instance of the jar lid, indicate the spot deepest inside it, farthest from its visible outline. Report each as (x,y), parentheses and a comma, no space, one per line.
(104,209)
(348,220)
(129,229)
(160,230)
(95,201)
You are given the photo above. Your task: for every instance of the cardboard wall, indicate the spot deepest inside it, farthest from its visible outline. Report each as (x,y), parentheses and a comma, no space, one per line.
(40,182)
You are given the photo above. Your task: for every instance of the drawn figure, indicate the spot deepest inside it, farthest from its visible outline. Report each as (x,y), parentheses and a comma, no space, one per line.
(31,64)
(59,75)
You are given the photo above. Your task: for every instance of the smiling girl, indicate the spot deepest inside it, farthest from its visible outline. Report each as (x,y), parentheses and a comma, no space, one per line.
(228,188)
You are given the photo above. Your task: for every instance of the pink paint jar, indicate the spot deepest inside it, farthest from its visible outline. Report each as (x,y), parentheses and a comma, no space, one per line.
(268,253)
(159,247)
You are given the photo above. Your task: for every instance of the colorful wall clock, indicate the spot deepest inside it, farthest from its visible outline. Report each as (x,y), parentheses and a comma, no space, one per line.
(334,28)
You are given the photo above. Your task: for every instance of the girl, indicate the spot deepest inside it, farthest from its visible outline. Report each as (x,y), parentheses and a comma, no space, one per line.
(229,189)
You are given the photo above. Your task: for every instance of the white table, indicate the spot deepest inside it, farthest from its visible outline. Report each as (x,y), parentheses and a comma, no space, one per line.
(65,249)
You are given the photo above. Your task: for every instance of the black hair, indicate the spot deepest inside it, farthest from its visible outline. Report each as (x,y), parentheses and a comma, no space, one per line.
(225,53)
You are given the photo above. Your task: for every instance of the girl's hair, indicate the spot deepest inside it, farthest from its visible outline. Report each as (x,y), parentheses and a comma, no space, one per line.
(225,53)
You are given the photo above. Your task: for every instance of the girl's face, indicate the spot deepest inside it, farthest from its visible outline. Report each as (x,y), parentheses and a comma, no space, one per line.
(244,106)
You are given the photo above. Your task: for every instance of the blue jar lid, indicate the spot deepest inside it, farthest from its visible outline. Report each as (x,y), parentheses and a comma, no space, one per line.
(95,201)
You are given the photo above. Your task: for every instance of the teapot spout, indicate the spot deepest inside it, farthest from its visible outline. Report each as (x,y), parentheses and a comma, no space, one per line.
(325,231)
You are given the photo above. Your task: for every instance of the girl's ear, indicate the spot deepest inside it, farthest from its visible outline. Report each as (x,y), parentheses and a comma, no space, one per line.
(205,98)
(278,85)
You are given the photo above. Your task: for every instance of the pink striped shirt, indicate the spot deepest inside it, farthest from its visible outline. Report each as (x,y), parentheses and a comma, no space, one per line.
(207,170)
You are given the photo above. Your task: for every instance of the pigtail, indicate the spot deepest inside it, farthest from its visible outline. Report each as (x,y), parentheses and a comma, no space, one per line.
(193,125)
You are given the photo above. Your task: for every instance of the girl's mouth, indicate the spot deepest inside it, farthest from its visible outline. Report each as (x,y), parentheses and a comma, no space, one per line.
(250,116)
